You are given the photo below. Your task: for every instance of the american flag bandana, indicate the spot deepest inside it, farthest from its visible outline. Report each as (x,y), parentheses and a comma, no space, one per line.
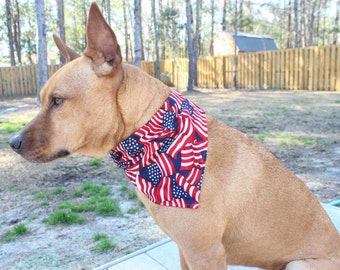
(165,158)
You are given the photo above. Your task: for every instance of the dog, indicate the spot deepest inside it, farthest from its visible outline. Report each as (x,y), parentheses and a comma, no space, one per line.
(215,191)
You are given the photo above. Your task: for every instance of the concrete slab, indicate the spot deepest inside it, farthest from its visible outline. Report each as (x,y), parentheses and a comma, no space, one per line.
(142,261)
(166,255)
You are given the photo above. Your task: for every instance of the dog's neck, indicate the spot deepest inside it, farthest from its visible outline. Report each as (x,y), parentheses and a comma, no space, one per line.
(148,92)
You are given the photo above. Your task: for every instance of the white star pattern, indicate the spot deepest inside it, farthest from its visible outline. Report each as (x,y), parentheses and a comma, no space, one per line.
(132,146)
(168,120)
(186,106)
(199,184)
(166,144)
(178,191)
(154,173)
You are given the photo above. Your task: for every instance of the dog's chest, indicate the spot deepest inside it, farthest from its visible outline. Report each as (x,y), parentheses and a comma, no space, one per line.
(165,159)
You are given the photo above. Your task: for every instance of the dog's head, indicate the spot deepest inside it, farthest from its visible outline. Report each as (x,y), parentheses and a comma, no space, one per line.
(79,111)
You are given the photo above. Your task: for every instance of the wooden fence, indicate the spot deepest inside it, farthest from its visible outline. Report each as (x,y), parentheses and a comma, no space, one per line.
(312,68)
(16,81)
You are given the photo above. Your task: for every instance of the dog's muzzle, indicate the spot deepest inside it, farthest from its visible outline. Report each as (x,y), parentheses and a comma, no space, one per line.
(16,143)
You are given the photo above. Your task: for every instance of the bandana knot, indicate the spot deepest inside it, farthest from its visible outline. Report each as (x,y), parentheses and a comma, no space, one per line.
(165,158)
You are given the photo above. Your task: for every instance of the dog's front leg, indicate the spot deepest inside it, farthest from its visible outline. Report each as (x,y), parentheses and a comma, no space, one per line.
(184,265)
(196,232)
(203,258)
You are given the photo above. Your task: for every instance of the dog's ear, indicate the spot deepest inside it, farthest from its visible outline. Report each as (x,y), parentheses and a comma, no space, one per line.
(102,46)
(68,53)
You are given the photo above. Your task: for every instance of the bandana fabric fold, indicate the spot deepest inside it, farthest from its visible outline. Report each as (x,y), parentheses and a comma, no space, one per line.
(165,159)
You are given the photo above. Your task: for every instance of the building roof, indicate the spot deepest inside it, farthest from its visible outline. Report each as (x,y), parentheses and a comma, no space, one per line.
(253,43)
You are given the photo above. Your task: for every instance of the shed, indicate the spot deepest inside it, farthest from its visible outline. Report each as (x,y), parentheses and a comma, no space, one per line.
(224,43)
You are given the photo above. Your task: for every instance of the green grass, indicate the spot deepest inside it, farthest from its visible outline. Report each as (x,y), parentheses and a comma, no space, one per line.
(104,206)
(92,198)
(32,218)
(41,195)
(262,136)
(124,188)
(17,231)
(99,236)
(89,198)
(14,124)
(108,207)
(12,188)
(133,210)
(58,191)
(288,140)
(103,243)
(140,204)
(77,193)
(294,141)
(95,162)
(306,141)
(66,204)
(89,189)
(64,218)
(132,195)
(44,203)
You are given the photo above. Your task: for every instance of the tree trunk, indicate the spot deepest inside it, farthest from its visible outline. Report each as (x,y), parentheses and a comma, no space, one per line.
(108,9)
(158,68)
(197,40)
(126,32)
(61,25)
(138,33)
(235,48)
(240,16)
(224,16)
(83,38)
(303,31)
(191,52)
(289,27)
(161,30)
(296,19)
(17,31)
(10,33)
(211,48)
(42,48)
(317,23)
(311,25)
(336,29)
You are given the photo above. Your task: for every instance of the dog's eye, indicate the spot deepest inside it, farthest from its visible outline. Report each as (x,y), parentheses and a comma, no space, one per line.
(56,102)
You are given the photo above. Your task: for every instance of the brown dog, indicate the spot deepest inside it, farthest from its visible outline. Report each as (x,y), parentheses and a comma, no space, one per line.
(252,211)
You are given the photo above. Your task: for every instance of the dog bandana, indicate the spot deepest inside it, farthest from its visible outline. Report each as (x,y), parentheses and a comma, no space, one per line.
(165,159)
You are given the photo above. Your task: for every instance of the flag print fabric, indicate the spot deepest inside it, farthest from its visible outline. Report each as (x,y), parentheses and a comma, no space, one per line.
(165,159)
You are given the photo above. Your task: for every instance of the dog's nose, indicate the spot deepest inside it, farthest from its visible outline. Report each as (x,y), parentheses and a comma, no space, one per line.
(16,142)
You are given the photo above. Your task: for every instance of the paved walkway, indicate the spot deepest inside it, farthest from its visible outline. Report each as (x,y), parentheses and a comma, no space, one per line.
(164,255)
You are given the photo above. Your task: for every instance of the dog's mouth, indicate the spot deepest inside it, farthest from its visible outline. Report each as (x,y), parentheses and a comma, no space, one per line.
(35,152)
(38,158)
(43,159)
(62,153)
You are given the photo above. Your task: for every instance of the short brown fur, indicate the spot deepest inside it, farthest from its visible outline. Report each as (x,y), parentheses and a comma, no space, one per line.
(253,211)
